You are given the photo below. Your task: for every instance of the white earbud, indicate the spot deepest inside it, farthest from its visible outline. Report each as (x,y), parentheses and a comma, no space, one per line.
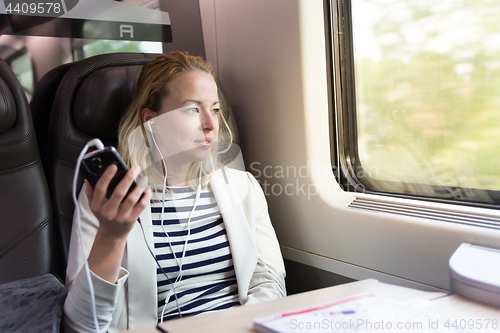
(150,122)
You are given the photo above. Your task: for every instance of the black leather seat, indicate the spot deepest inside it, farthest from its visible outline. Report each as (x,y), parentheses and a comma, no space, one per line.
(28,245)
(91,97)
(41,105)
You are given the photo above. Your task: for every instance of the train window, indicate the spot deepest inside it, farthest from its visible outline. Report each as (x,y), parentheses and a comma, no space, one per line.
(421,93)
(96,47)
(23,69)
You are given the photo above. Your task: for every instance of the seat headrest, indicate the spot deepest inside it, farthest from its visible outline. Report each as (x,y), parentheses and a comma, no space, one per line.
(101,99)
(7,107)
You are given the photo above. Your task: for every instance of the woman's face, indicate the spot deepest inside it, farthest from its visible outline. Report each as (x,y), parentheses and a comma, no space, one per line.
(187,123)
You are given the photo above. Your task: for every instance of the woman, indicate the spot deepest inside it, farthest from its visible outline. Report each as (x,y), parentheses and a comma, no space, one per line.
(207,224)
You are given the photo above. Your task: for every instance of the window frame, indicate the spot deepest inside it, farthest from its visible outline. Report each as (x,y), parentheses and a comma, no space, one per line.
(344,149)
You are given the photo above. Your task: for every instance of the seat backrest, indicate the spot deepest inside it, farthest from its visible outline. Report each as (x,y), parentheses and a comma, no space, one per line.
(41,105)
(28,245)
(90,100)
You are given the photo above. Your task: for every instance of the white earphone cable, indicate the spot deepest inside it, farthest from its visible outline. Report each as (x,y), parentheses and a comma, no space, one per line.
(95,143)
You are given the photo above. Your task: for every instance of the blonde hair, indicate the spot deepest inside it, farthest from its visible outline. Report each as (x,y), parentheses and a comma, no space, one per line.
(152,89)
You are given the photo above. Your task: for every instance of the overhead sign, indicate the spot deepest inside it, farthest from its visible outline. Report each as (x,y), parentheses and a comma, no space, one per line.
(92,19)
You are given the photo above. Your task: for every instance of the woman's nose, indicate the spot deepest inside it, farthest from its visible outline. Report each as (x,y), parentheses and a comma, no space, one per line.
(206,120)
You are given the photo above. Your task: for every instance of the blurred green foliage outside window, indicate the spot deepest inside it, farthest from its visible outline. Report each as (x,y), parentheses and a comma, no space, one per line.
(427,78)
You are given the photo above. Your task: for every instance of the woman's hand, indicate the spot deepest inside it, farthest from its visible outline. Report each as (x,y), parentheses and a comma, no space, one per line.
(117,217)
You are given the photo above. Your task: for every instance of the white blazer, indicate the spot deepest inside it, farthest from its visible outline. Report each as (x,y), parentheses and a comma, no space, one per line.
(133,301)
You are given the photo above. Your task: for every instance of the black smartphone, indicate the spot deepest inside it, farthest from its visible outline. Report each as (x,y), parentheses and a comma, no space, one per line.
(96,162)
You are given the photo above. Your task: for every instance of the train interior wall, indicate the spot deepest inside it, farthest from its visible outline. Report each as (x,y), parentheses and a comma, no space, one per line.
(272,59)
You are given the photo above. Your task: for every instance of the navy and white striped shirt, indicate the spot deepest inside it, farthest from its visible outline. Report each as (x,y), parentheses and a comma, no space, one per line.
(208,281)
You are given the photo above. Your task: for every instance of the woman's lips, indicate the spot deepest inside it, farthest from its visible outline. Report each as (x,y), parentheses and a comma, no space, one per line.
(204,142)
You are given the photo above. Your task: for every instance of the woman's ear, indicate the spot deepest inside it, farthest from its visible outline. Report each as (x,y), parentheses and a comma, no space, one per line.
(147,118)
(147,115)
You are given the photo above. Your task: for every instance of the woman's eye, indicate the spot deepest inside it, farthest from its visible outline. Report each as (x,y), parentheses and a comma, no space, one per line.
(192,110)
(215,110)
